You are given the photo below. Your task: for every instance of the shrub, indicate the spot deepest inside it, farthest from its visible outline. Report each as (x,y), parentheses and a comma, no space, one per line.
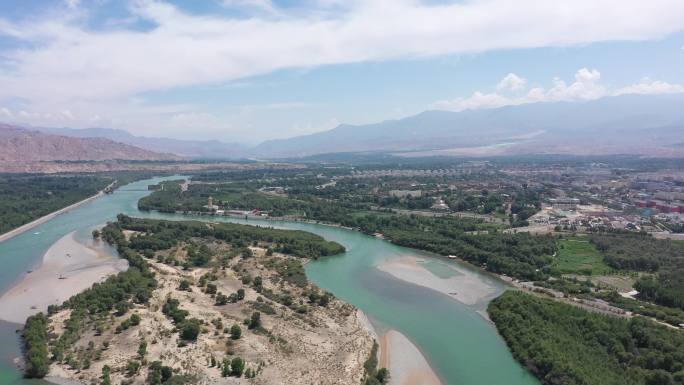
(190,329)
(235,332)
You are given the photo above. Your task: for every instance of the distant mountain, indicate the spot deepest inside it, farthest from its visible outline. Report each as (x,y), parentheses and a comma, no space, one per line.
(629,124)
(212,149)
(651,125)
(19,145)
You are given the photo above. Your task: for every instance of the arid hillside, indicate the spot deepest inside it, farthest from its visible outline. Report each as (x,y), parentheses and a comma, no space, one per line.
(19,145)
(206,304)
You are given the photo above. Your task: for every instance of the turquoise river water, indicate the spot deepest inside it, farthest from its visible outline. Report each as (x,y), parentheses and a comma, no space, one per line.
(460,345)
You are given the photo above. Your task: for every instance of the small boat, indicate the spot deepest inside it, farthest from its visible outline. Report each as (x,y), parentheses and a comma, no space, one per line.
(452,256)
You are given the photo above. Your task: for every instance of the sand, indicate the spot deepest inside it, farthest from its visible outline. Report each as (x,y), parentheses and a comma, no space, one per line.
(461,284)
(405,362)
(68,267)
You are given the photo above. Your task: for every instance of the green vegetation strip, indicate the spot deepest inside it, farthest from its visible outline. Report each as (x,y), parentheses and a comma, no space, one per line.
(26,198)
(563,344)
(520,255)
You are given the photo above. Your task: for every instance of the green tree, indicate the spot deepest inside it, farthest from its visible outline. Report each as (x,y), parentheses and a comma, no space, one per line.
(35,344)
(154,373)
(255,320)
(106,380)
(225,368)
(142,349)
(190,329)
(237,366)
(383,375)
(184,285)
(235,332)
(221,299)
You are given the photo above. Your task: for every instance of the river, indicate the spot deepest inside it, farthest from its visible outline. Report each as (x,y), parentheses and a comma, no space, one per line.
(460,345)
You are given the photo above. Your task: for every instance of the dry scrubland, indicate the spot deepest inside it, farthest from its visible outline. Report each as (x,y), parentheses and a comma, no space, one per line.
(303,343)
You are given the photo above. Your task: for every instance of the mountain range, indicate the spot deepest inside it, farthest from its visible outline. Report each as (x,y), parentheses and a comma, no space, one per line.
(650,125)
(20,145)
(186,148)
(628,124)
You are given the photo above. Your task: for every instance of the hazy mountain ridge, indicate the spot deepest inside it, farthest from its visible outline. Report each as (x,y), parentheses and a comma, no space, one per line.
(18,144)
(651,125)
(187,148)
(648,125)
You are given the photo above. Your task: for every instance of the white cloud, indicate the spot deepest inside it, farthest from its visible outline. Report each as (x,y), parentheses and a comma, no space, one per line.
(72,3)
(648,86)
(262,5)
(69,61)
(585,87)
(63,64)
(511,82)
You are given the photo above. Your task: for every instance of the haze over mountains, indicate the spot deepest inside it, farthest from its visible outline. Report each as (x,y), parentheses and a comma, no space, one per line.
(22,145)
(651,125)
(629,124)
(185,148)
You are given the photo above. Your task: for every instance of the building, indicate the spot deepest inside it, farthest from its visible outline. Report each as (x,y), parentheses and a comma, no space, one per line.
(440,205)
(210,204)
(564,203)
(406,193)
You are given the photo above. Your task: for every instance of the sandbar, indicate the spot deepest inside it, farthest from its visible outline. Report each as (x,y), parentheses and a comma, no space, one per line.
(405,362)
(68,267)
(462,284)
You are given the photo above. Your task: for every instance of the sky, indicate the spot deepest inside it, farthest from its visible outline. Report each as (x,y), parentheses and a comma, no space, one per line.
(252,70)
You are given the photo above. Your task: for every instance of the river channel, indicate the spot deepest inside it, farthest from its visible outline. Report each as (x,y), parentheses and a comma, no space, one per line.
(461,346)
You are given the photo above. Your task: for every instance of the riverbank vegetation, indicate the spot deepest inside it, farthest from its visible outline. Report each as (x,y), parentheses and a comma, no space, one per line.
(562,344)
(27,197)
(310,194)
(160,234)
(373,374)
(24,198)
(663,258)
(399,208)
(36,352)
(519,255)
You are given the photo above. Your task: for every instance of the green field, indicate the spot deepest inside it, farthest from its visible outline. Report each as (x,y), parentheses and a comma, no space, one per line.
(579,256)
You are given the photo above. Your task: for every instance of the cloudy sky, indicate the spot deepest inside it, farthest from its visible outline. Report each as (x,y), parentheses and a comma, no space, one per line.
(249,70)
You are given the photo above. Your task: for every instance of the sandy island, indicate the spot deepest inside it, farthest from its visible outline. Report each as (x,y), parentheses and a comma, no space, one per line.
(405,362)
(68,267)
(460,284)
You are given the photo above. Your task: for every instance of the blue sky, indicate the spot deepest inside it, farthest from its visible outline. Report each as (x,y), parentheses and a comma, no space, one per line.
(250,70)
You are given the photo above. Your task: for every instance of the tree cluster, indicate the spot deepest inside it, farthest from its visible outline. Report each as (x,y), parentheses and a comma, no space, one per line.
(563,344)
